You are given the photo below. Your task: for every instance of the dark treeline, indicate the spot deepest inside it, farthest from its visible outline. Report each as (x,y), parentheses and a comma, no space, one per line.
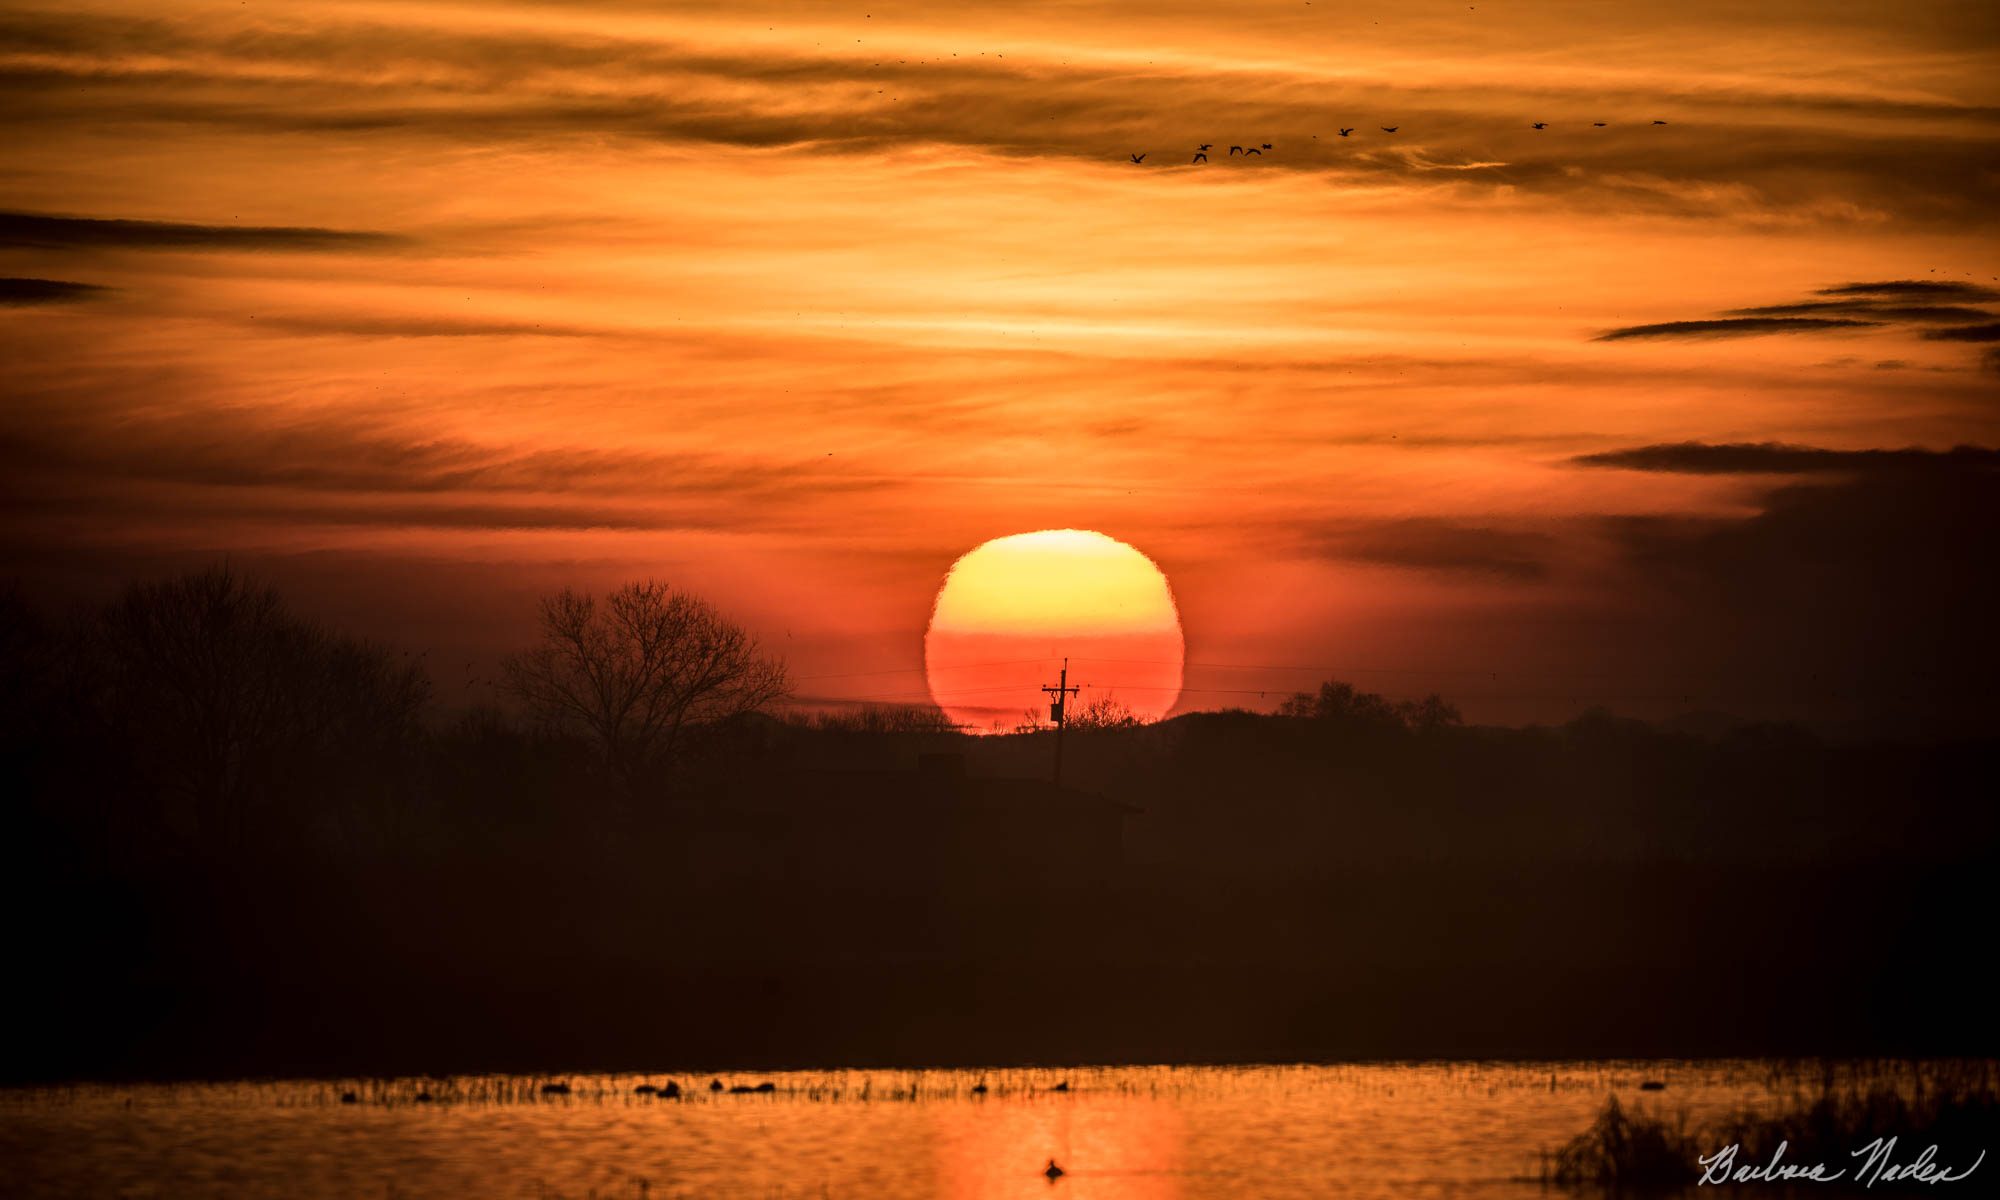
(239,842)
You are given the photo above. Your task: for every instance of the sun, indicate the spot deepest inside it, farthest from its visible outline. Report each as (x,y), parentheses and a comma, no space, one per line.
(1011,610)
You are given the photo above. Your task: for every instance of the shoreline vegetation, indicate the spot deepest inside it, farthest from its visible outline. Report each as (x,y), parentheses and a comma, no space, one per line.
(1837,1136)
(242,843)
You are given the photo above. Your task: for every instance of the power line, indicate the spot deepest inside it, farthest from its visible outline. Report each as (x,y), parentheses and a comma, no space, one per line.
(1015,662)
(1301,668)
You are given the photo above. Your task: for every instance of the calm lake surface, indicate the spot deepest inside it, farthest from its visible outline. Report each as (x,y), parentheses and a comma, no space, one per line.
(1429,1129)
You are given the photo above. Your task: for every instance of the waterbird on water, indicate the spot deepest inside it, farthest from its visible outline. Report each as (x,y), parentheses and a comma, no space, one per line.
(1053,1171)
(715,1085)
(1061,1087)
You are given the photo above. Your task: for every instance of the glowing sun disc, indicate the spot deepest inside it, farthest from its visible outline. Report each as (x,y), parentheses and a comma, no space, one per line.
(1011,610)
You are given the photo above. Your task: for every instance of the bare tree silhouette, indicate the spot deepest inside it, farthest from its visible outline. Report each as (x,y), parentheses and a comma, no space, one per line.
(231,704)
(638,670)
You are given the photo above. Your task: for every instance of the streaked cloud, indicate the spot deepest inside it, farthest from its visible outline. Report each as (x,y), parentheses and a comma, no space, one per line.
(1915,289)
(1734,327)
(1866,306)
(1989,332)
(23,292)
(1776,458)
(1927,314)
(43,231)
(1442,544)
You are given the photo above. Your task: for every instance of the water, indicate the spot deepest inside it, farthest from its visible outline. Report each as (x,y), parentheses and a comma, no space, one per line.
(1124,1133)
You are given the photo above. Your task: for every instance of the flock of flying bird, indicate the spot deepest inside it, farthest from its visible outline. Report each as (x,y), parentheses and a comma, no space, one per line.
(1201,151)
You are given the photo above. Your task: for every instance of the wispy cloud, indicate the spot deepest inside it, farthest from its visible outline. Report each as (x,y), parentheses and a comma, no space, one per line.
(1924,289)
(1450,545)
(1733,327)
(42,230)
(25,292)
(1863,305)
(1935,314)
(1989,332)
(1778,458)
(357,325)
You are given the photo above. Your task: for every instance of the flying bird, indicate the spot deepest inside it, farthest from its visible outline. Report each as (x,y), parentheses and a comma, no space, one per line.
(1599,124)
(1139,158)
(1267,145)
(1541,124)
(1345,132)
(1200,157)
(1390,128)
(1235,150)
(1205,147)
(1659,122)
(1252,150)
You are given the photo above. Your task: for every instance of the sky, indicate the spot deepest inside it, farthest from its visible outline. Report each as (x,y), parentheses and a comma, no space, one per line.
(423,309)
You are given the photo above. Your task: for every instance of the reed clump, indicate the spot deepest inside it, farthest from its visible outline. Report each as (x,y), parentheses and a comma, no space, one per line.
(1627,1150)
(1954,1106)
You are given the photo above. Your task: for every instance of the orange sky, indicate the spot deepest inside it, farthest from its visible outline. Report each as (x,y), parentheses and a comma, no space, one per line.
(433,306)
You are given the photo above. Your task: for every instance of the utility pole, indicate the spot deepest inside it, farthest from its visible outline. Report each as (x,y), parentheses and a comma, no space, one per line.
(1058,694)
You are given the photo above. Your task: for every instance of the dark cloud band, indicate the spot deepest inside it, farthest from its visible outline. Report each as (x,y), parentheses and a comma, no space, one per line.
(1779,458)
(43,230)
(26,292)
(1926,289)
(1732,327)
(1989,332)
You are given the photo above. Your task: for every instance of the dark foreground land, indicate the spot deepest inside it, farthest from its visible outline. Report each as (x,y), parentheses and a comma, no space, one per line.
(404,891)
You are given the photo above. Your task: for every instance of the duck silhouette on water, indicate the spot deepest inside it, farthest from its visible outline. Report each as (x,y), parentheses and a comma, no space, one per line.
(1053,1171)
